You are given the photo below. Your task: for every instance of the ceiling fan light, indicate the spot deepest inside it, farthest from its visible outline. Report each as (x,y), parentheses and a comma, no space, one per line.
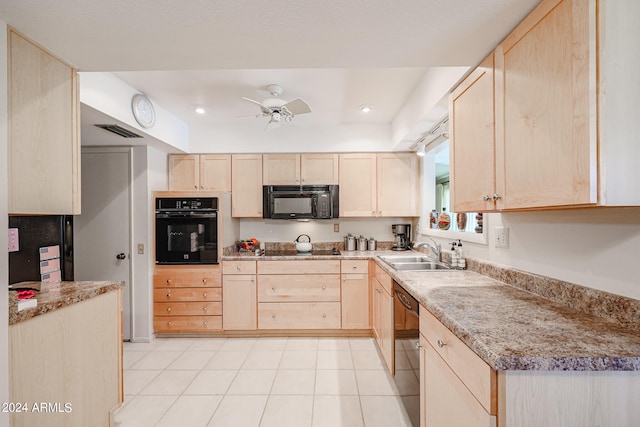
(200,110)
(364,108)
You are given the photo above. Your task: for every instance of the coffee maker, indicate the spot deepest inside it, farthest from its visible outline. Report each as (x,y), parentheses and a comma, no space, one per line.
(402,235)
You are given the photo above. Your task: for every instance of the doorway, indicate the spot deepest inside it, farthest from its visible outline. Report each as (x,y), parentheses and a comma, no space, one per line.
(102,234)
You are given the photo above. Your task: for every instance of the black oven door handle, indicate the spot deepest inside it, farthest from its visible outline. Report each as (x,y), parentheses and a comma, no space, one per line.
(186,215)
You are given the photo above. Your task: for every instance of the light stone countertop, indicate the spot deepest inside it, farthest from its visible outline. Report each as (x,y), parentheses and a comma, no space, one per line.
(55,295)
(509,328)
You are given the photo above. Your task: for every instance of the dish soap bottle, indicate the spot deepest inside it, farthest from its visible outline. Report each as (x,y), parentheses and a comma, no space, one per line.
(462,262)
(454,255)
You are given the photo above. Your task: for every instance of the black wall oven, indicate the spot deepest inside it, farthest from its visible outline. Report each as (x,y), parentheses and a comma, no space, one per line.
(186,230)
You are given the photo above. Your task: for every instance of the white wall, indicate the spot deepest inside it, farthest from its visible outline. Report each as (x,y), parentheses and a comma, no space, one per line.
(319,231)
(4,218)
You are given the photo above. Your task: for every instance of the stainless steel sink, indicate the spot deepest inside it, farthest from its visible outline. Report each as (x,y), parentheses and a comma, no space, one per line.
(414,263)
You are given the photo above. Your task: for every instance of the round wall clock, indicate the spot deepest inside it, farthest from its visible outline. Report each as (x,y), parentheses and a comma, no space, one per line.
(143,110)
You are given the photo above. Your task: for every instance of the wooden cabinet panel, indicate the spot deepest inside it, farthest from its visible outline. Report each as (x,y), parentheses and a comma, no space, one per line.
(184,171)
(307,287)
(383,278)
(187,323)
(281,169)
(239,304)
(357,184)
(319,169)
(349,266)
(299,267)
(478,377)
(200,308)
(299,315)
(187,294)
(355,301)
(547,144)
(43,156)
(445,400)
(382,319)
(215,172)
(397,184)
(238,267)
(246,185)
(472,157)
(188,278)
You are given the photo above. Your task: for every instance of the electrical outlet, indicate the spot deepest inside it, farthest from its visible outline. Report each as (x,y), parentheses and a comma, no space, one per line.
(336,228)
(140,248)
(502,237)
(14,240)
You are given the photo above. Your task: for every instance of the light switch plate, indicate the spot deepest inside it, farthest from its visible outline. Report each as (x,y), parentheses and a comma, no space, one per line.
(502,237)
(14,240)
(140,248)
(336,228)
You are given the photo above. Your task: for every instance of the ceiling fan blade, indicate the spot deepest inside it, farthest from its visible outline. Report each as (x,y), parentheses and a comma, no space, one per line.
(264,108)
(297,106)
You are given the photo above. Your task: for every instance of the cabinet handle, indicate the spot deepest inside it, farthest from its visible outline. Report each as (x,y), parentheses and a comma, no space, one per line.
(379,212)
(169,295)
(204,323)
(324,287)
(373,212)
(354,267)
(253,280)
(202,187)
(204,281)
(486,198)
(274,316)
(168,323)
(168,281)
(273,288)
(378,290)
(204,308)
(195,186)
(496,197)
(238,267)
(418,346)
(204,295)
(441,343)
(168,309)
(324,315)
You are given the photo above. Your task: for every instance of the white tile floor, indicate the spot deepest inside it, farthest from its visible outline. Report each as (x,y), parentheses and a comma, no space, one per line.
(258,382)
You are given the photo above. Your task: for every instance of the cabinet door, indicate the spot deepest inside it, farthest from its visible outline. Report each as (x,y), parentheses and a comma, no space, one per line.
(246,185)
(397,184)
(319,169)
(44,146)
(472,159)
(445,400)
(239,302)
(357,172)
(386,329)
(547,147)
(184,172)
(355,301)
(281,169)
(215,172)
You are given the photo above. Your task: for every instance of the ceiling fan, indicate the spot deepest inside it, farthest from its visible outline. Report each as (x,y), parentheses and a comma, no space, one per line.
(279,110)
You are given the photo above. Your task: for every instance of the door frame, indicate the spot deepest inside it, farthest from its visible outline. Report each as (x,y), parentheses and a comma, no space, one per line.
(128,289)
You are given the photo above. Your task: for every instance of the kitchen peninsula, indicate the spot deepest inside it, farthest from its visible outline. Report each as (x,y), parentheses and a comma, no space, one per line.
(65,355)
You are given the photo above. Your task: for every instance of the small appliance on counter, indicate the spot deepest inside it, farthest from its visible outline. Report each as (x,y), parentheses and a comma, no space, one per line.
(402,237)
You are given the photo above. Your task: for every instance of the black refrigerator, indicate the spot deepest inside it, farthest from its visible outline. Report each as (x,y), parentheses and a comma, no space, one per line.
(36,232)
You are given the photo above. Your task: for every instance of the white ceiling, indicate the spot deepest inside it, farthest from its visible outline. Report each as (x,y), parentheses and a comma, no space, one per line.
(335,54)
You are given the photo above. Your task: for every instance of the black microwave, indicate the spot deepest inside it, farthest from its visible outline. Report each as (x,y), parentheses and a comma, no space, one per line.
(300,201)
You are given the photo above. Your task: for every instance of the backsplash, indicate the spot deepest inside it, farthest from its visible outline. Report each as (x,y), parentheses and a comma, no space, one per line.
(615,308)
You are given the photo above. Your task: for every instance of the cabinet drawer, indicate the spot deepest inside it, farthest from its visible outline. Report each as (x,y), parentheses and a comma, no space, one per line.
(187,308)
(187,294)
(474,372)
(282,288)
(187,323)
(187,279)
(355,266)
(384,279)
(299,315)
(238,267)
(299,267)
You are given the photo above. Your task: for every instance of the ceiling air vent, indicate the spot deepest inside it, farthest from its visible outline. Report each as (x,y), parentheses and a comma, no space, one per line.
(119,130)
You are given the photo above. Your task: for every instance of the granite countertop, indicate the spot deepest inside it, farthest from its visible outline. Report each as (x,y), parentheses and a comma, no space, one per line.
(55,295)
(508,327)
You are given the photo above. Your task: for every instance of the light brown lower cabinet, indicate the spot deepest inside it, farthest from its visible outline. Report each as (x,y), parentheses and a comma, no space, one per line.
(382,314)
(239,290)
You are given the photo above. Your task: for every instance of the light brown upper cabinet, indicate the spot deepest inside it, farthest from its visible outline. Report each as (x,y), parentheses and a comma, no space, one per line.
(300,169)
(565,113)
(383,184)
(200,172)
(44,135)
(246,185)
(472,158)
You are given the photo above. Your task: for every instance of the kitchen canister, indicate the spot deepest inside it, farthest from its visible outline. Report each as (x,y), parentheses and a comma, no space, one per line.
(349,243)
(362,243)
(372,244)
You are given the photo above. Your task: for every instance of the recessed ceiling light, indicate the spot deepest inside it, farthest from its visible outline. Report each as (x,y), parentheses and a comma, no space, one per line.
(200,110)
(364,108)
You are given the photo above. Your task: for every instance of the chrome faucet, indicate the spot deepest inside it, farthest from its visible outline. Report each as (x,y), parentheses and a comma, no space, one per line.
(436,248)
